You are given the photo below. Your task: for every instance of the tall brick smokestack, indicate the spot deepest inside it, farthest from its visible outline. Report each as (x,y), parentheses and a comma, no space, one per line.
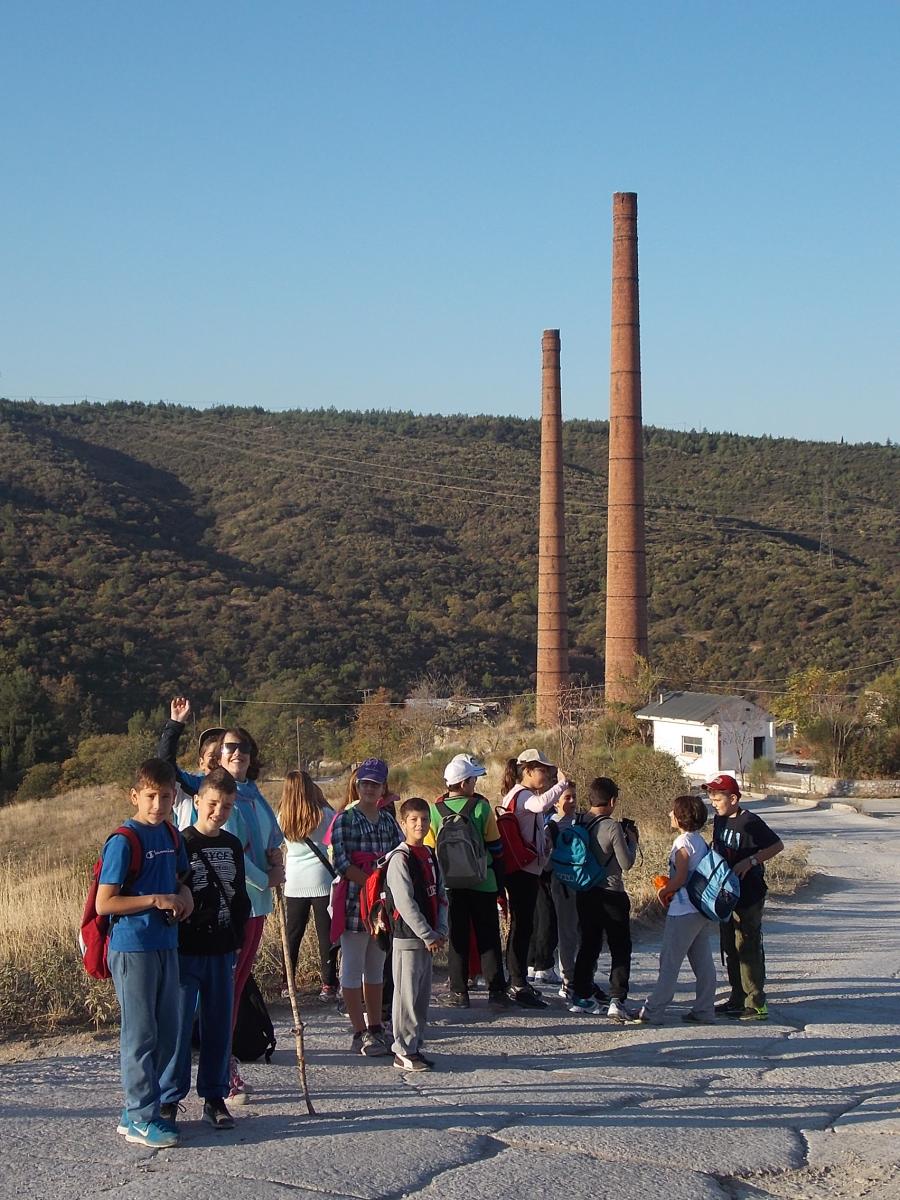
(552,630)
(626,565)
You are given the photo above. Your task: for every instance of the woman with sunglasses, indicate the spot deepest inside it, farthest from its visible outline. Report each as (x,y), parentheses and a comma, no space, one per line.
(255,824)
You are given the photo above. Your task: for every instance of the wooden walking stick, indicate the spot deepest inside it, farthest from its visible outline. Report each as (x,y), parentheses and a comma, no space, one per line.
(297,1031)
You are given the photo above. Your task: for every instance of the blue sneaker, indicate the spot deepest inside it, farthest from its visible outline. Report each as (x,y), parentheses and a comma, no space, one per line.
(152,1134)
(589,1007)
(123,1124)
(168,1116)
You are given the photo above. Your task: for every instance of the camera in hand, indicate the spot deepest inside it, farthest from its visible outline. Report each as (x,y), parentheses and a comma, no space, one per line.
(630,825)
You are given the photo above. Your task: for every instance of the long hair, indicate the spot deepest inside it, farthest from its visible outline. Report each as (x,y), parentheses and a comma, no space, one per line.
(255,761)
(512,774)
(301,807)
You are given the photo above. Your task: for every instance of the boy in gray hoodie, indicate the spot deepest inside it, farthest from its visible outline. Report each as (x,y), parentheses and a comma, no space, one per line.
(418,902)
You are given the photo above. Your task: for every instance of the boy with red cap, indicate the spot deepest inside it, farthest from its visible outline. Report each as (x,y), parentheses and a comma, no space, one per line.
(745,841)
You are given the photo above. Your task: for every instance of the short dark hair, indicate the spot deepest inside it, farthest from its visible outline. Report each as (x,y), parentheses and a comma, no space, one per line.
(690,812)
(218,780)
(414,804)
(606,787)
(154,772)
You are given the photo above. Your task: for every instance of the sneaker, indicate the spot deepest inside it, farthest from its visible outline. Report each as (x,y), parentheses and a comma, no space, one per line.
(409,1062)
(479,983)
(591,1007)
(500,1000)
(216,1114)
(691,1018)
(550,977)
(152,1134)
(328,994)
(240,1089)
(356,1044)
(530,974)
(730,1008)
(527,997)
(456,1000)
(754,1013)
(168,1116)
(429,1062)
(124,1122)
(617,1010)
(373,1044)
(639,1018)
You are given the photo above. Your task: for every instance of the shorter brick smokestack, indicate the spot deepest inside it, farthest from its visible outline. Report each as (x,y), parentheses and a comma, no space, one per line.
(553,605)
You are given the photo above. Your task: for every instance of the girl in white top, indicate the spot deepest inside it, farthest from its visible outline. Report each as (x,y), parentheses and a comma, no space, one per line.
(305,818)
(686,930)
(527,793)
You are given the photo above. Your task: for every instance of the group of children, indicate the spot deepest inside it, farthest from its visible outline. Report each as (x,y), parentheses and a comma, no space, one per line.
(187,927)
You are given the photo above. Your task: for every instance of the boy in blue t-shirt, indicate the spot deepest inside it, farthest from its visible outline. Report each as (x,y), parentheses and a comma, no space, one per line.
(143,948)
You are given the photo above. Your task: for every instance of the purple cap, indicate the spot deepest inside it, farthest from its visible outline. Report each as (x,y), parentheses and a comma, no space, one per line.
(375,769)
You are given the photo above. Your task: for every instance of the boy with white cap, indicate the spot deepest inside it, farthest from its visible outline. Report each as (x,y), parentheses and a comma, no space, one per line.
(473,907)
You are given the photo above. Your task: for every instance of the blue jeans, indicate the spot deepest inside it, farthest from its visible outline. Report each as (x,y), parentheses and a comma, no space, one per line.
(146,985)
(211,978)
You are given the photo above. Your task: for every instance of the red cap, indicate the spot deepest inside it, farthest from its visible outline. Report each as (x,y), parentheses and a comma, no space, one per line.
(723,783)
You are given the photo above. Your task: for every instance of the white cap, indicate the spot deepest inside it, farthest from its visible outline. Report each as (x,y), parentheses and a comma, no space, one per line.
(462,767)
(533,758)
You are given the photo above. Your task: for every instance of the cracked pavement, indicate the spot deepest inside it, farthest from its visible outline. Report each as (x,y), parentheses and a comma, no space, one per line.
(803,1106)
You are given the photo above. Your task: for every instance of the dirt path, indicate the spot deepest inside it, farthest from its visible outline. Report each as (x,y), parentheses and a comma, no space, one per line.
(804,1106)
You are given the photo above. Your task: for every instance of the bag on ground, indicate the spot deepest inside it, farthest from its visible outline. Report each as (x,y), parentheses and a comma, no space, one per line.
(254,1034)
(713,888)
(461,852)
(573,860)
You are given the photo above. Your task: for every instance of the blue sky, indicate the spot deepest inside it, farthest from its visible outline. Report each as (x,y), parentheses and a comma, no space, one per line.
(383,205)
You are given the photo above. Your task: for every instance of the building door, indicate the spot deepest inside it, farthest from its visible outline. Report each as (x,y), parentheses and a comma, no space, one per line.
(759,747)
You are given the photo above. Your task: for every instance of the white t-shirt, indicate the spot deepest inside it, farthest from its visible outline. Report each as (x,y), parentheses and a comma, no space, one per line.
(696,847)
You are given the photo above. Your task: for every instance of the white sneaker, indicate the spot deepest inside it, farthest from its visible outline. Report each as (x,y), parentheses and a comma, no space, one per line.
(547,977)
(617,1010)
(565,991)
(530,974)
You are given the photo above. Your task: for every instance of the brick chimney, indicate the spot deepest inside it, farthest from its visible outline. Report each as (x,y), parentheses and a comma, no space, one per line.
(626,567)
(552,630)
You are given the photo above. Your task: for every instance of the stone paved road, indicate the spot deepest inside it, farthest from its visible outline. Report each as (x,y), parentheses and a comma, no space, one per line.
(804,1106)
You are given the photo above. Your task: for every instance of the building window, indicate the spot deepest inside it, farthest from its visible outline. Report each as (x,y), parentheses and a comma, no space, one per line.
(691,745)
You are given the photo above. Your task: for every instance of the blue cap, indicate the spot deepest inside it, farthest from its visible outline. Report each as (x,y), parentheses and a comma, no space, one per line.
(375,769)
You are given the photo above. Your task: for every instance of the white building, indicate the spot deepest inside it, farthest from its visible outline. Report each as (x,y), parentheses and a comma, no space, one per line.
(707,734)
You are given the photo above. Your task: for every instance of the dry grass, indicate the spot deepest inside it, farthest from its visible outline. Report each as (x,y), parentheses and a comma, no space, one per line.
(47,849)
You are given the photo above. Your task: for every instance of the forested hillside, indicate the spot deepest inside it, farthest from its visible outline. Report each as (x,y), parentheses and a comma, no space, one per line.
(309,555)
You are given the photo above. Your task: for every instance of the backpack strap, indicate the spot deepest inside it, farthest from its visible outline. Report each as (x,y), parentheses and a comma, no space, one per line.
(321,857)
(445,812)
(137,853)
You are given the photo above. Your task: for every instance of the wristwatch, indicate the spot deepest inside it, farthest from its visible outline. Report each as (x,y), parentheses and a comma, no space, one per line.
(754,861)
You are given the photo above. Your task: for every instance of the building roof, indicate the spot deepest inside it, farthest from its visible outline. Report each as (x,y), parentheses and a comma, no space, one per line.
(690,706)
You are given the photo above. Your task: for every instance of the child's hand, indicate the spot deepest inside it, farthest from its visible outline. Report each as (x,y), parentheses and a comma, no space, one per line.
(433,947)
(180,709)
(187,902)
(168,902)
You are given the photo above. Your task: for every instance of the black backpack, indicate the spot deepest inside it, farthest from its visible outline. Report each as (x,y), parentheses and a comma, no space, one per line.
(254,1034)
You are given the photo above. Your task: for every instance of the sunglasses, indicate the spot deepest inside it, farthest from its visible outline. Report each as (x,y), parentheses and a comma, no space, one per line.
(237,747)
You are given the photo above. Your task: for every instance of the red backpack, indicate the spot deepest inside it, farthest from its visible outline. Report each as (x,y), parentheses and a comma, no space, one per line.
(373,904)
(517,853)
(93,934)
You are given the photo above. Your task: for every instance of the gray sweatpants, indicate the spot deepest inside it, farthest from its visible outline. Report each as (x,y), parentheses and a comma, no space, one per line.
(566,926)
(687,935)
(412,992)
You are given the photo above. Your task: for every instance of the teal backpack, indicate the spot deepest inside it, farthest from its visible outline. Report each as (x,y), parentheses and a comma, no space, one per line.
(573,860)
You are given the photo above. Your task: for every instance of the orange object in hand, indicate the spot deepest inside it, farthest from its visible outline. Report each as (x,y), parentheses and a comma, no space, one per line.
(659,882)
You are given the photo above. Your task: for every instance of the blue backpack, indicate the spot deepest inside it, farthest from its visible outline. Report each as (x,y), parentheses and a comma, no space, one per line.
(713,888)
(573,860)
